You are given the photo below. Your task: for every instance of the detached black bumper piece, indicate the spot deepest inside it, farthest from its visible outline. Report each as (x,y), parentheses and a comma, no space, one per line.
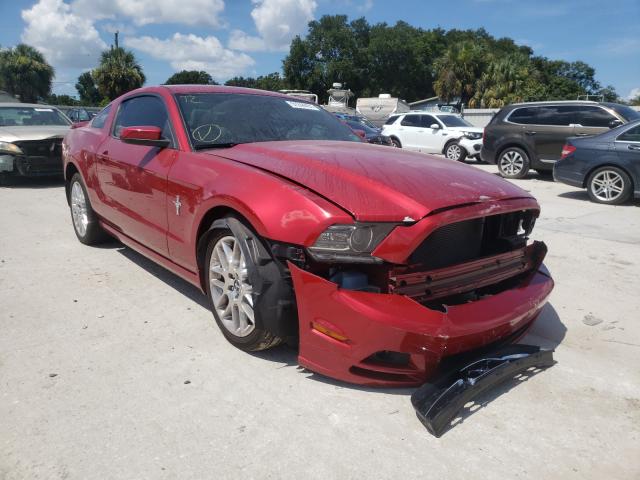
(437,404)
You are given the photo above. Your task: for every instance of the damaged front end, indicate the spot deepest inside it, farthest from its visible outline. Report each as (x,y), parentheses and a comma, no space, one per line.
(416,294)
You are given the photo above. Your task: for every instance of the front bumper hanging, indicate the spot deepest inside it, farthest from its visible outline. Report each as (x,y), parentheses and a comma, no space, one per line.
(437,403)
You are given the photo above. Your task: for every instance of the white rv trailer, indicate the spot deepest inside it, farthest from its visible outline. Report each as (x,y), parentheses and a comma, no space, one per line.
(306,94)
(378,109)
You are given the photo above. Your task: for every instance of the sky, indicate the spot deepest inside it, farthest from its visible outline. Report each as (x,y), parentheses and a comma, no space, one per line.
(251,37)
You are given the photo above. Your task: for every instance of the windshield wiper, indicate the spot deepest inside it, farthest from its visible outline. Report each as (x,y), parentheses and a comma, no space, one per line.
(205,146)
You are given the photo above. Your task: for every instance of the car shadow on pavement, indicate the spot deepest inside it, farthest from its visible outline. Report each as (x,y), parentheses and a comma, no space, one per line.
(584,196)
(177,283)
(32,182)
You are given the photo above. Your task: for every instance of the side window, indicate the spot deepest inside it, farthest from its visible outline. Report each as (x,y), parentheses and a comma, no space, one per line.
(524,116)
(428,120)
(555,115)
(631,135)
(588,116)
(411,121)
(82,115)
(101,118)
(139,111)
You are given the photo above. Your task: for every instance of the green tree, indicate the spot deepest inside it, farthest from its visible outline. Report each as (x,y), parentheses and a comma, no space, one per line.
(25,72)
(187,77)
(87,89)
(118,73)
(272,81)
(635,101)
(458,70)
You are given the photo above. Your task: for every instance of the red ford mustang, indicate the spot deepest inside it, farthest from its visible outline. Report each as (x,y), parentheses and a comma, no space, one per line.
(379,262)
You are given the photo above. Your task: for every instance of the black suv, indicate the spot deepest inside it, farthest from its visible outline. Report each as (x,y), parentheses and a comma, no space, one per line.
(531,135)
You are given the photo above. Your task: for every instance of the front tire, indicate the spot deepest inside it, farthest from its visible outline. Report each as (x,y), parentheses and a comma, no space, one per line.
(609,185)
(513,163)
(238,294)
(454,151)
(84,219)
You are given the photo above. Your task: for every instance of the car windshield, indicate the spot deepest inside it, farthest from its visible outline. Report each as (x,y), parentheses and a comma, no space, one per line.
(627,112)
(29,116)
(453,121)
(226,119)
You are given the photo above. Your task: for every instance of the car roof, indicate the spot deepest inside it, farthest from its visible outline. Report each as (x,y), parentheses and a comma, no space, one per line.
(427,112)
(556,102)
(25,105)
(182,89)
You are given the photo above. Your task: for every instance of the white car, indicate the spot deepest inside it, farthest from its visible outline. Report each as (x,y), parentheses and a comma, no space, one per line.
(435,132)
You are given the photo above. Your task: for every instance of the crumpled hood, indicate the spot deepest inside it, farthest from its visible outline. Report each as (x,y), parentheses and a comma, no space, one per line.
(374,183)
(34,132)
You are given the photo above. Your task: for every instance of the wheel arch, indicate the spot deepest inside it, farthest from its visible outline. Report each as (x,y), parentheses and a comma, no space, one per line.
(449,142)
(395,137)
(513,144)
(70,170)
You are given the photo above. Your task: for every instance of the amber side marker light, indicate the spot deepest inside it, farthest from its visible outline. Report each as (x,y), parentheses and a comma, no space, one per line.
(328,332)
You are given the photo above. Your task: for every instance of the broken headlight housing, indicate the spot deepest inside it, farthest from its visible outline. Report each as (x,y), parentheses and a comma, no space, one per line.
(473,135)
(351,243)
(9,148)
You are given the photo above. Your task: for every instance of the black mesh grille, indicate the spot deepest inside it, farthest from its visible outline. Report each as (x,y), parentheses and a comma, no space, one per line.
(471,239)
(451,244)
(41,148)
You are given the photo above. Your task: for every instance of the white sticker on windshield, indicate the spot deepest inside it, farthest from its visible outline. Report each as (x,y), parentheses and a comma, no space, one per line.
(43,109)
(302,105)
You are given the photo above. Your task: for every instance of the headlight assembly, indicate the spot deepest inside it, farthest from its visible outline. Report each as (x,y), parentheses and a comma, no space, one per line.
(350,243)
(473,135)
(7,147)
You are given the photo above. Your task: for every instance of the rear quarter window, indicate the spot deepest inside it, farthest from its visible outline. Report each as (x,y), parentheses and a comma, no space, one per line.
(391,119)
(523,115)
(100,119)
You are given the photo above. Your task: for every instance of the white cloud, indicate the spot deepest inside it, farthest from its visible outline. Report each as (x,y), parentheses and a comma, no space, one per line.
(277,22)
(65,39)
(191,52)
(145,12)
(633,93)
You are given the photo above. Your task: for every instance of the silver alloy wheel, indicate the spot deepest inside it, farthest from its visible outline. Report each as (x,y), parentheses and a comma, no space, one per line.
(79,209)
(607,185)
(231,290)
(511,162)
(454,151)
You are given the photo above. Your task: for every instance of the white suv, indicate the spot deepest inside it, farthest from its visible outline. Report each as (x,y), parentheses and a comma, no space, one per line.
(435,132)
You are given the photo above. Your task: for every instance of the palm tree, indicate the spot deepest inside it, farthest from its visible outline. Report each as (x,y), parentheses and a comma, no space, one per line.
(118,73)
(25,72)
(458,70)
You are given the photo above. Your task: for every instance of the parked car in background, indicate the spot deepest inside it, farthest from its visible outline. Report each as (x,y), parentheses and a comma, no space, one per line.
(357,118)
(31,140)
(527,136)
(371,135)
(434,132)
(81,114)
(607,165)
(378,262)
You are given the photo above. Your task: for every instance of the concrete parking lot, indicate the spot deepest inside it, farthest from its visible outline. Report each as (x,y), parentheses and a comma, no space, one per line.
(111,367)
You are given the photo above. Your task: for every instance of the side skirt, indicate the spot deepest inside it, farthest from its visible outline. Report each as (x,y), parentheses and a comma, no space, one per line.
(189,276)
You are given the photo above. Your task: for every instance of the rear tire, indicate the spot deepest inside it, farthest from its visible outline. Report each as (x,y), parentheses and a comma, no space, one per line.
(453,151)
(396,142)
(245,292)
(513,162)
(84,219)
(609,185)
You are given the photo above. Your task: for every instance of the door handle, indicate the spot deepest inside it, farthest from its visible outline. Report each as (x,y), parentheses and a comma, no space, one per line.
(582,134)
(530,132)
(633,147)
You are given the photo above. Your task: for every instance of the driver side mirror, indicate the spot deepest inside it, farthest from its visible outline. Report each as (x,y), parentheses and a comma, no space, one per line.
(615,123)
(435,126)
(144,135)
